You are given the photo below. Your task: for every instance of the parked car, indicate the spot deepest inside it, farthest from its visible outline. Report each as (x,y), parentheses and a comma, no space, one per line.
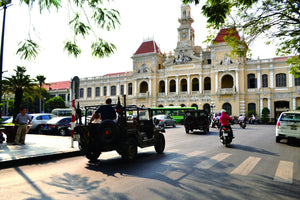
(6,119)
(38,119)
(288,126)
(57,126)
(165,120)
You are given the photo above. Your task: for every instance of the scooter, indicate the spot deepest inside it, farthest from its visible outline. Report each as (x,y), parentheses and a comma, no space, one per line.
(242,124)
(226,136)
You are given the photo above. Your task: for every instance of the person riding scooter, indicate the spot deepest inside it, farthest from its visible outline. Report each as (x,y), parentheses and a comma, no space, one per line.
(224,119)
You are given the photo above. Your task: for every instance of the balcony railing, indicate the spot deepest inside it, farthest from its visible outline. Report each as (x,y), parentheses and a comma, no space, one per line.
(227,90)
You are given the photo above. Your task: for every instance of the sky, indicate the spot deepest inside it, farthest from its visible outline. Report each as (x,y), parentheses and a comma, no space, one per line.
(140,20)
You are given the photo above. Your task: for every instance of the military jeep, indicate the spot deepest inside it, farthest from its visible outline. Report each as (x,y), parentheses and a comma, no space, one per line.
(133,128)
(196,119)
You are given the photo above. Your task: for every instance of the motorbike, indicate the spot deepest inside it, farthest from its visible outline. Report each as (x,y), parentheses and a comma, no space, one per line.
(226,136)
(242,124)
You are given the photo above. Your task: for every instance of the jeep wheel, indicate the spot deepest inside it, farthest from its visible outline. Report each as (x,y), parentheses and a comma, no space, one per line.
(160,143)
(92,155)
(130,150)
(62,132)
(186,130)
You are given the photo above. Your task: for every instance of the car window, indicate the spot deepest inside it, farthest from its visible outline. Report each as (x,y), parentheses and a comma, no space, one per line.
(290,117)
(46,117)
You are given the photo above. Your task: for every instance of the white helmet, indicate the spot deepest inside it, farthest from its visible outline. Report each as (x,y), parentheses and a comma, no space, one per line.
(223,110)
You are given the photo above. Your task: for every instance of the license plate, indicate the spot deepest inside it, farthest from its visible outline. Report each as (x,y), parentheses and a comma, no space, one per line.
(293,128)
(225,134)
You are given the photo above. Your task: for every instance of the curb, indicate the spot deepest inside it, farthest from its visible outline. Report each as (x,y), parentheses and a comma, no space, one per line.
(38,159)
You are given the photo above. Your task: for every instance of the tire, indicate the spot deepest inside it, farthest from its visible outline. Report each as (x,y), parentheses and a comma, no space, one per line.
(92,155)
(160,143)
(186,130)
(174,125)
(38,129)
(130,150)
(277,139)
(108,132)
(62,132)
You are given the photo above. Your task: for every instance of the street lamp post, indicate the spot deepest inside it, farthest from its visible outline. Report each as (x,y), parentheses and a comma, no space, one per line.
(4,4)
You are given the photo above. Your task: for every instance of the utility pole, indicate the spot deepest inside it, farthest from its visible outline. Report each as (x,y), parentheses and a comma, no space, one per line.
(3,4)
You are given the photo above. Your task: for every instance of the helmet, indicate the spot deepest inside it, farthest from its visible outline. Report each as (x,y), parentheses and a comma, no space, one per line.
(223,110)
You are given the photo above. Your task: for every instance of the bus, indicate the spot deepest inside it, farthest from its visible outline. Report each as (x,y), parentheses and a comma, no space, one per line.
(174,112)
(59,112)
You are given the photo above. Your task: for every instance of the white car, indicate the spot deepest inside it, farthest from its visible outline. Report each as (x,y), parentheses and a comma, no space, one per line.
(288,126)
(37,119)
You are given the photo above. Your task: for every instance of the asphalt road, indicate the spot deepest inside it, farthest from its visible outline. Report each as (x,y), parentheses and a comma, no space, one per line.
(193,166)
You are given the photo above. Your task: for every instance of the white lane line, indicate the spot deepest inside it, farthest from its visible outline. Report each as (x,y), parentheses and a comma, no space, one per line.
(247,166)
(212,161)
(284,172)
(178,160)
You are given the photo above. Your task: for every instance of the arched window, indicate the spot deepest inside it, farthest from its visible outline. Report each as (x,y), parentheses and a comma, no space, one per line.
(122,89)
(264,80)
(227,107)
(281,80)
(182,105)
(161,86)
(113,90)
(207,83)
(172,86)
(195,105)
(206,107)
(160,105)
(227,81)
(251,81)
(183,84)
(144,87)
(195,84)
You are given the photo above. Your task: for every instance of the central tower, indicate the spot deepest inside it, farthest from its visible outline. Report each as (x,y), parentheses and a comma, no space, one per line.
(185,44)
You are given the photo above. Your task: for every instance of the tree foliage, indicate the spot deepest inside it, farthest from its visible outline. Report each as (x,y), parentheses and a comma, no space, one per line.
(19,84)
(278,21)
(55,102)
(86,18)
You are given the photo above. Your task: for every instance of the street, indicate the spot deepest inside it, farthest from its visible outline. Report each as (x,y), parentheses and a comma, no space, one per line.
(193,166)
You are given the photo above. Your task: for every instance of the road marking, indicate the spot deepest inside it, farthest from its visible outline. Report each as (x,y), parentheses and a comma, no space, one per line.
(247,166)
(212,161)
(195,153)
(178,160)
(284,172)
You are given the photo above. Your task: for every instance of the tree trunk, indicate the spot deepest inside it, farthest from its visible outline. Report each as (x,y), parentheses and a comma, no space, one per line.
(17,103)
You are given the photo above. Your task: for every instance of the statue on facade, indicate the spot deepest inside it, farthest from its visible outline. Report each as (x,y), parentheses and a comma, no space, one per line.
(181,58)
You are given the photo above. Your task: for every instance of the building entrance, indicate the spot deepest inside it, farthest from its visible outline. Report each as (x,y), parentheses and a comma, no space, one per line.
(279,107)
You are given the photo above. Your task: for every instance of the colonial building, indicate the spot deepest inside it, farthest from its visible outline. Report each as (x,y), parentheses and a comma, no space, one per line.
(206,78)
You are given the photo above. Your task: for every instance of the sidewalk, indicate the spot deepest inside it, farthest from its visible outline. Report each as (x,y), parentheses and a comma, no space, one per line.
(37,148)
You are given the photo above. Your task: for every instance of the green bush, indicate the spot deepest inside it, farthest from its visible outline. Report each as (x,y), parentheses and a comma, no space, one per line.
(265,114)
(298,108)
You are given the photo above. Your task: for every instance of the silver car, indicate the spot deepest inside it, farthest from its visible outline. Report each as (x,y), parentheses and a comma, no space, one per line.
(38,119)
(288,125)
(165,120)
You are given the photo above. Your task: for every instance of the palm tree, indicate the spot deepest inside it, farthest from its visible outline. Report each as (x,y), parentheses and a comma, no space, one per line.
(41,80)
(18,84)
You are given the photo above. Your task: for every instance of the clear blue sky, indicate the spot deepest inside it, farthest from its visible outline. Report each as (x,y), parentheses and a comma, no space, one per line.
(140,19)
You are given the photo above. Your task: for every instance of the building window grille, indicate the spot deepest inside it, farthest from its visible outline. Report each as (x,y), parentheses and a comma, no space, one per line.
(207,84)
(251,81)
(161,86)
(252,107)
(113,90)
(183,85)
(129,88)
(81,93)
(281,80)
(195,84)
(172,86)
(297,80)
(264,80)
(122,89)
(104,91)
(89,92)
(97,92)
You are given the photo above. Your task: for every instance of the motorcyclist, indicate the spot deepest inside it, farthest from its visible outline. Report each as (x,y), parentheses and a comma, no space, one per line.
(224,119)
(242,118)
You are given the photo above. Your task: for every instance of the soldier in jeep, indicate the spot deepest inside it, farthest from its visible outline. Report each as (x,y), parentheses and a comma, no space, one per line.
(105,111)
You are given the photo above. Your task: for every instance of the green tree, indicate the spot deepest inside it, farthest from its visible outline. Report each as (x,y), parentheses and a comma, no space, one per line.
(278,21)
(41,80)
(86,17)
(18,84)
(55,102)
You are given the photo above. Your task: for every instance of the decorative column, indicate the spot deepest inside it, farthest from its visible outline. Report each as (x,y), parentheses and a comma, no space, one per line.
(294,103)
(188,84)
(237,81)
(200,83)
(177,85)
(166,86)
(135,87)
(150,88)
(216,82)
(261,106)
(271,76)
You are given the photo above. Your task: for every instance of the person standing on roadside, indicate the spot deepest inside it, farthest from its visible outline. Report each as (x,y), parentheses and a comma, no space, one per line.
(22,120)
